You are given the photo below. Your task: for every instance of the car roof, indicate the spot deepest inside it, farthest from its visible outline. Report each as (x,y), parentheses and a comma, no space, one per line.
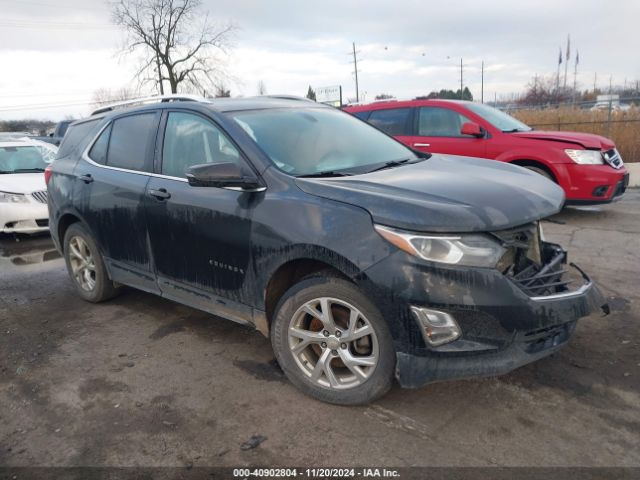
(221,105)
(23,142)
(406,103)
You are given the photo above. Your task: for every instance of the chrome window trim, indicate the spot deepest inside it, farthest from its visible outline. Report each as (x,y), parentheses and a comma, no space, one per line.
(86,158)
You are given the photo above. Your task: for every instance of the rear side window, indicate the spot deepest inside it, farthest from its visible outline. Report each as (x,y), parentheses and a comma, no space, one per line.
(393,121)
(440,122)
(98,152)
(76,135)
(129,140)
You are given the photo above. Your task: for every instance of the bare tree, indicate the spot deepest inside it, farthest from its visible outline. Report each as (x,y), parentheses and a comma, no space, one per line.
(103,96)
(179,43)
(262,88)
(221,91)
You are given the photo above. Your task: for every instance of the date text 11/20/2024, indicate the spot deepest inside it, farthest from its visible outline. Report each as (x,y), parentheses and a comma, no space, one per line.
(315,473)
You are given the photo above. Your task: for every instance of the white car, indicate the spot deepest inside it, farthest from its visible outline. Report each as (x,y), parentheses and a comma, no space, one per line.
(23,192)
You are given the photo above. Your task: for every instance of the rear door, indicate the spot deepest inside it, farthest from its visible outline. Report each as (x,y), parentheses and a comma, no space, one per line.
(438,131)
(110,184)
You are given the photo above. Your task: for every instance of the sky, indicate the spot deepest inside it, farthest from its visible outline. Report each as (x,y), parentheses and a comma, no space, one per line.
(55,54)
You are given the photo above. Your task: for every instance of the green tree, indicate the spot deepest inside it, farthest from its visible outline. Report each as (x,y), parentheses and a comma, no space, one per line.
(311,94)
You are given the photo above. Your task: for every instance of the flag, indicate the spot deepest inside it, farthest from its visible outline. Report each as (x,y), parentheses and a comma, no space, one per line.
(568,48)
(559,55)
(577,57)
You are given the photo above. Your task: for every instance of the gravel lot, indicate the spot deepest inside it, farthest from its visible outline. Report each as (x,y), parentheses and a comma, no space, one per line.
(143,381)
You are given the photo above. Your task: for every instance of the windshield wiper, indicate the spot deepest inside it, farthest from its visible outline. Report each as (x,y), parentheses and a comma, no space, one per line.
(391,164)
(28,170)
(324,174)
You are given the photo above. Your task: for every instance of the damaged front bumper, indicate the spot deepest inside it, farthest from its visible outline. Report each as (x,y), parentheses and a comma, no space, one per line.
(503,325)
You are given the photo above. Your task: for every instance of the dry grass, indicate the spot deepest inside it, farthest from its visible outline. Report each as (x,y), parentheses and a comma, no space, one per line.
(624,129)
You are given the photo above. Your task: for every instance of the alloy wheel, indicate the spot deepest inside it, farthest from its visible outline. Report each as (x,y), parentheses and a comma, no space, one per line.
(82,263)
(333,343)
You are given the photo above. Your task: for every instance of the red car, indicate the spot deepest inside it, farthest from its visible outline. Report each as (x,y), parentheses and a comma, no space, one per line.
(588,167)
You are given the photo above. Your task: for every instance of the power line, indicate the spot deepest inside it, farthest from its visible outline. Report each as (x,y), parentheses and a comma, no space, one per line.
(50,5)
(15,23)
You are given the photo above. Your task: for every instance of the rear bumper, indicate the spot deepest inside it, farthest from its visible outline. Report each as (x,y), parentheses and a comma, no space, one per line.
(592,184)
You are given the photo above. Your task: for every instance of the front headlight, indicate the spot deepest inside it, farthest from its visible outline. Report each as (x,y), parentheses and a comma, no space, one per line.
(585,157)
(7,197)
(471,250)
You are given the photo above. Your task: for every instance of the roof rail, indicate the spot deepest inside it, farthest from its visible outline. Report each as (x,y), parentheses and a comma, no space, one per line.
(289,97)
(174,97)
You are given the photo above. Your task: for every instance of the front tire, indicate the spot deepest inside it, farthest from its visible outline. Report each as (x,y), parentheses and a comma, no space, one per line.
(86,266)
(332,342)
(540,171)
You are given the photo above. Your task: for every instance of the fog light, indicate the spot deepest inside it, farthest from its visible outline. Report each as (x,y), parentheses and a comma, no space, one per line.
(437,327)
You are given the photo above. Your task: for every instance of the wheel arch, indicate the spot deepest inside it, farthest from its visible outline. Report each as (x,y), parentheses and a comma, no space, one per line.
(294,269)
(526,162)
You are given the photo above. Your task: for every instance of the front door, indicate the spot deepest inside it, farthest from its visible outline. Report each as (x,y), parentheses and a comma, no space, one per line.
(438,131)
(200,237)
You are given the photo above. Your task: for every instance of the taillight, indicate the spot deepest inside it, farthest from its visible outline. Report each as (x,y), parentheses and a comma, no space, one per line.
(47,174)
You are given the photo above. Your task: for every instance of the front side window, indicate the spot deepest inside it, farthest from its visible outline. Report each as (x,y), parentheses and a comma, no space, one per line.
(393,121)
(440,122)
(308,141)
(498,119)
(129,140)
(193,140)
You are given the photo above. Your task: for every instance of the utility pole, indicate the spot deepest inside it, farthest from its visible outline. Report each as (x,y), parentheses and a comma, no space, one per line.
(595,80)
(355,71)
(482,83)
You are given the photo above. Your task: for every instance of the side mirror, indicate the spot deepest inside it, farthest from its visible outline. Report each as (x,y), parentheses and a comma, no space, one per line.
(222,175)
(473,129)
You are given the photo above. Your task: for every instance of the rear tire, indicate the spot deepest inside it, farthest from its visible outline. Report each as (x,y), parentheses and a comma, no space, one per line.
(332,342)
(86,266)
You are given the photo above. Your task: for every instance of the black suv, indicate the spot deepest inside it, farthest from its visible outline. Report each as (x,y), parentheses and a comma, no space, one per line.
(361,259)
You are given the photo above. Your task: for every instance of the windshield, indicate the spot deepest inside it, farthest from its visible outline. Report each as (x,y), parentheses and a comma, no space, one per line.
(312,141)
(498,119)
(28,158)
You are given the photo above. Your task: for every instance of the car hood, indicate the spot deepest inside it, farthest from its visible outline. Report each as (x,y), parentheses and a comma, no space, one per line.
(446,194)
(586,140)
(22,182)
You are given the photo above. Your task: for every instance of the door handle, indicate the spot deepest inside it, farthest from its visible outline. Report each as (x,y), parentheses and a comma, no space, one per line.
(160,194)
(421,144)
(86,178)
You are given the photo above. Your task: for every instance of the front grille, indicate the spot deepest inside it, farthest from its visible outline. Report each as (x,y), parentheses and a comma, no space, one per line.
(534,266)
(40,196)
(544,279)
(613,158)
(546,338)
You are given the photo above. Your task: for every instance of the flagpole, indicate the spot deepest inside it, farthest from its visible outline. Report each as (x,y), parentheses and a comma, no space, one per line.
(575,76)
(566,60)
(558,76)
